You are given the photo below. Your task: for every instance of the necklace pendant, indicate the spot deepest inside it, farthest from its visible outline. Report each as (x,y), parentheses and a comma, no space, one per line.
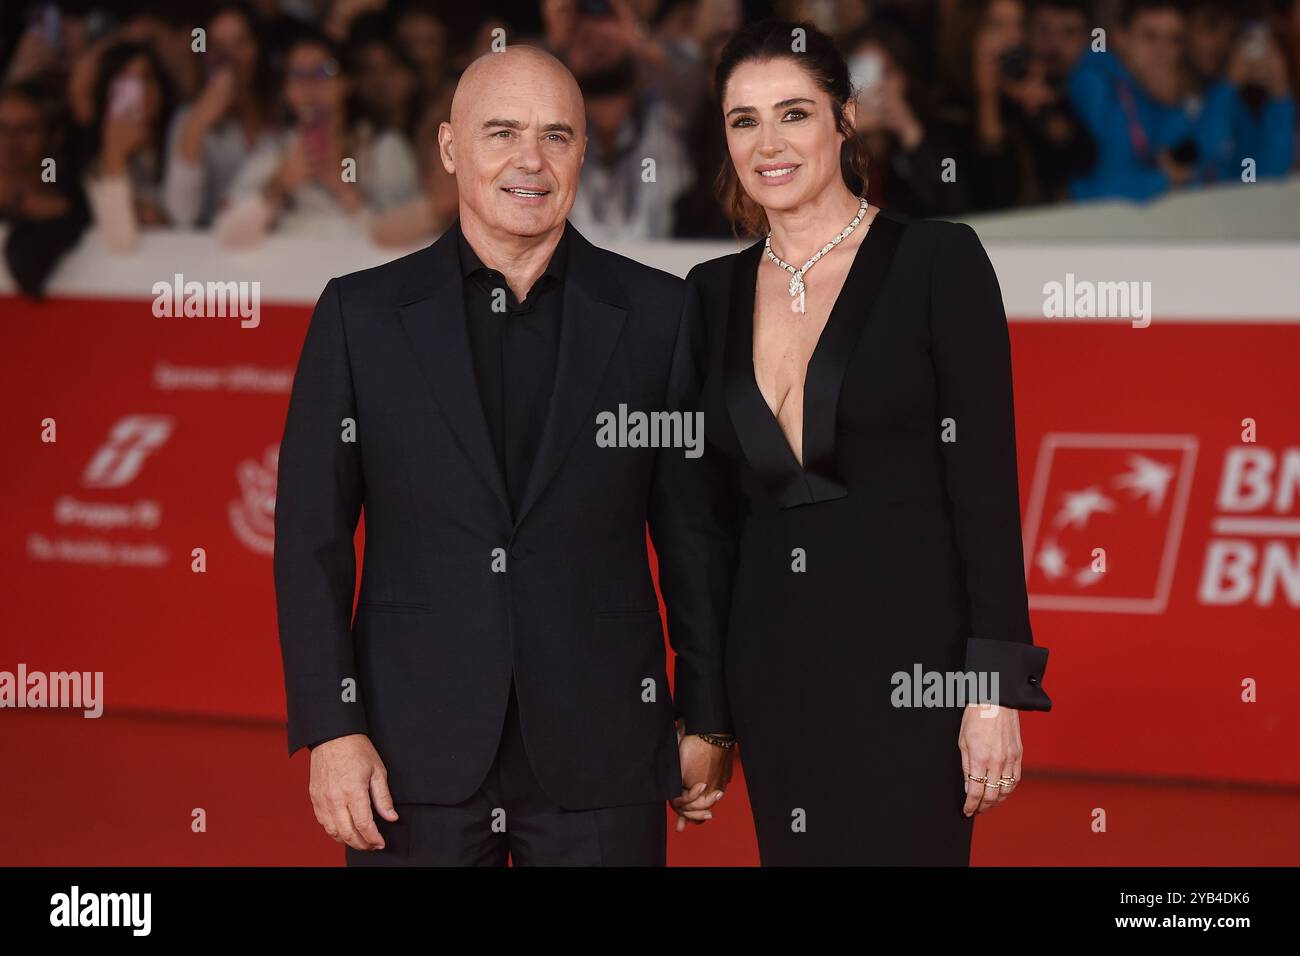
(796,275)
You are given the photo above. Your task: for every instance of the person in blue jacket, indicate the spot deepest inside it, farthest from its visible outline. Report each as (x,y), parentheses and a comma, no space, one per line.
(1157,130)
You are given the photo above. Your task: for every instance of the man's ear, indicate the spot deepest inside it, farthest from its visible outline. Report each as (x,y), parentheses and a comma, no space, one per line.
(445,151)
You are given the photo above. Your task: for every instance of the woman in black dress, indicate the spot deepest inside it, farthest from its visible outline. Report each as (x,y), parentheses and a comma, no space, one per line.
(863,407)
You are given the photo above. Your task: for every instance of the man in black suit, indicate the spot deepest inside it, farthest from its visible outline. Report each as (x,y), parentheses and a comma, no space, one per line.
(502,689)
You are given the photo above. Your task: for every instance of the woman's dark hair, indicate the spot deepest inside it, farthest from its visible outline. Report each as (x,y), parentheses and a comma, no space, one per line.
(114,60)
(771,39)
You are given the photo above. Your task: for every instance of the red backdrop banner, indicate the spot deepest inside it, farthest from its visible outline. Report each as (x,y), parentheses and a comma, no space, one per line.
(1159,481)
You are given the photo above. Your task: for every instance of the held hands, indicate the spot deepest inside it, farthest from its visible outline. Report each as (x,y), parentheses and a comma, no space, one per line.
(346,774)
(706,771)
(990,749)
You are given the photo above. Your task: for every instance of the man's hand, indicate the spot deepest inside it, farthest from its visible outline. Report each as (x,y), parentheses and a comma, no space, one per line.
(706,771)
(346,773)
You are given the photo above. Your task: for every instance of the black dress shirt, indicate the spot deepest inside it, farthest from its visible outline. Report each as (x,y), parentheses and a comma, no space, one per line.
(515,346)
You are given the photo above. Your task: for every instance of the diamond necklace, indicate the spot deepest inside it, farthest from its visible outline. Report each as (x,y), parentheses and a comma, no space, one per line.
(796,281)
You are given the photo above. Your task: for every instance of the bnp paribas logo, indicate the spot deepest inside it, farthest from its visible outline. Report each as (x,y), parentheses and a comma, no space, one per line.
(1105,518)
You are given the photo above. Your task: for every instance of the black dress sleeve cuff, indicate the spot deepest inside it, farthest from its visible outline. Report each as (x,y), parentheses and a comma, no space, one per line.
(1019,667)
(701,703)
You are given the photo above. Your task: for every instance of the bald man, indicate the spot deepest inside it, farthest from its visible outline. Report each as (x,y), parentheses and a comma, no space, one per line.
(501,692)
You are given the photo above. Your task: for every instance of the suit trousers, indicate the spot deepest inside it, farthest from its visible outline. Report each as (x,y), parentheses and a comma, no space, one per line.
(511,817)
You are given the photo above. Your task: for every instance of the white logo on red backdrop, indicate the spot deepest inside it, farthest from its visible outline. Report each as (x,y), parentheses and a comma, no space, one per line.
(1253,554)
(1126,494)
(252,515)
(130,441)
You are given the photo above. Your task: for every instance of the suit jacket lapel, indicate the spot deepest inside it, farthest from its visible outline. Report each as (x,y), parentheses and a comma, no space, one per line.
(433,315)
(594,310)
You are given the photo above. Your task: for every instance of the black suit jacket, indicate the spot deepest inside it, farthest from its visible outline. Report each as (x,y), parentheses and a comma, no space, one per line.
(439,625)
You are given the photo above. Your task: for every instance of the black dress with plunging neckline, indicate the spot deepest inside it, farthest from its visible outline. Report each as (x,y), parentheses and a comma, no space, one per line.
(761,435)
(889,552)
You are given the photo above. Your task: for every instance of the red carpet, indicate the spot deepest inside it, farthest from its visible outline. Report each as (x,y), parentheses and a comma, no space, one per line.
(120,791)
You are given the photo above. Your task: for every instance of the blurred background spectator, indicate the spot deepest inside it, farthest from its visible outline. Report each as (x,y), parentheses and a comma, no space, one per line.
(229,119)
(1006,117)
(45,212)
(434,206)
(1167,119)
(247,116)
(421,34)
(636,165)
(122,145)
(386,81)
(329,169)
(895,117)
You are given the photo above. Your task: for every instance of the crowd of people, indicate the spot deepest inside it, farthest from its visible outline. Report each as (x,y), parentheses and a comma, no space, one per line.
(321,116)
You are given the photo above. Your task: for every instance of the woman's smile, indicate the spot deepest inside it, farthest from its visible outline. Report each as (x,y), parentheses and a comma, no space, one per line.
(774,174)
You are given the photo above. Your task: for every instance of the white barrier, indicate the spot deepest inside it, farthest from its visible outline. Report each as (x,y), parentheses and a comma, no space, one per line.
(1190,248)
